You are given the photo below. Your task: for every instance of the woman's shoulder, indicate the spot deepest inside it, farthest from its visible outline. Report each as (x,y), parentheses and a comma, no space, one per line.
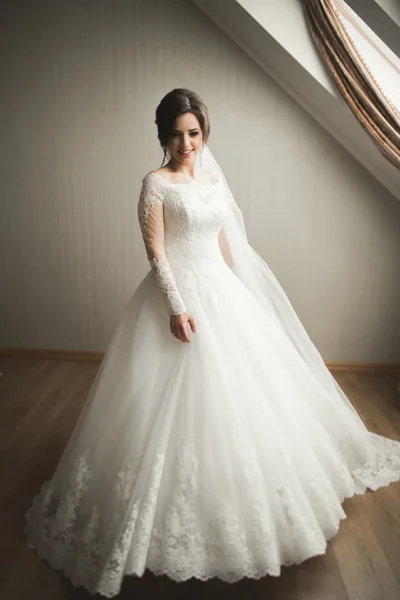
(156,171)
(155,178)
(152,186)
(161,174)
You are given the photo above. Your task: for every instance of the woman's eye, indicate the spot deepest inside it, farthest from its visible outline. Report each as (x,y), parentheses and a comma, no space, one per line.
(193,134)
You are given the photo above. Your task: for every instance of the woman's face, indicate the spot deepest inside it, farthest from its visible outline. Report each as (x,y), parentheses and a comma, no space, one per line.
(186,139)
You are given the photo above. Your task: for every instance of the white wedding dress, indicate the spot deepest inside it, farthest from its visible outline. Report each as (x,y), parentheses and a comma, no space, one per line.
(220,457)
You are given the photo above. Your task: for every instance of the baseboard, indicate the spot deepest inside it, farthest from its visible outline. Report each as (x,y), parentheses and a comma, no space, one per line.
(81,355)
(40,353)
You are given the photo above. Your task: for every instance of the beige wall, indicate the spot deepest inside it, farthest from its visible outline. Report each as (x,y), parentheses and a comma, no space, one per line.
(80,83)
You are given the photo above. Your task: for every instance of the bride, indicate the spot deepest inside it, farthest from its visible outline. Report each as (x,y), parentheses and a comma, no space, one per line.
(214,441)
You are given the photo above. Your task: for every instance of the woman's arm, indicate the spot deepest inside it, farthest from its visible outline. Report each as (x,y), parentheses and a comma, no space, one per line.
(225,248)
(151,220)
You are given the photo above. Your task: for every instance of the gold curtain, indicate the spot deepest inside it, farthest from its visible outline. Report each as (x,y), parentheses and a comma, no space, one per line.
(374,111)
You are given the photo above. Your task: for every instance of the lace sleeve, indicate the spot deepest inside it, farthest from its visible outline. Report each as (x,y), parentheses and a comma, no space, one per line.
(151,220)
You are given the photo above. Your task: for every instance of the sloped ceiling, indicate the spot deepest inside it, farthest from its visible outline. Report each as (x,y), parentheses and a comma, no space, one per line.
(276,36)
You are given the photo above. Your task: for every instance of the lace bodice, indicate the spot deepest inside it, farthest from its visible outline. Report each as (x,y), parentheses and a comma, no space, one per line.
(182,229)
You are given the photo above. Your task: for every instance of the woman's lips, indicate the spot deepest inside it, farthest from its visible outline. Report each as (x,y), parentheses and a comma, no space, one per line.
(185,154)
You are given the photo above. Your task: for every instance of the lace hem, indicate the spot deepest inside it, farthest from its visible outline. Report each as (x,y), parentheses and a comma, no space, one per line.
(97,554)
(382,471)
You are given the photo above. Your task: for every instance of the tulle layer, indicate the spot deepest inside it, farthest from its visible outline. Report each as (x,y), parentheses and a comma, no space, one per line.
(224,457)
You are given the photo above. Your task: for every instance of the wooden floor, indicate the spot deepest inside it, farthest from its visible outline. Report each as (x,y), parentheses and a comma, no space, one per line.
(40,403)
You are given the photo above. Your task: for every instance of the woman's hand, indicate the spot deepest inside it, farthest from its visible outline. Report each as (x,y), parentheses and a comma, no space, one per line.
(178,326)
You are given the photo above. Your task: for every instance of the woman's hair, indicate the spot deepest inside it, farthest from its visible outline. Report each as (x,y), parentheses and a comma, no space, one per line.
(178,102)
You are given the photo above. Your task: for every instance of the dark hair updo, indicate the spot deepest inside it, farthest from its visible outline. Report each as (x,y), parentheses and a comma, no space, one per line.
(178,102)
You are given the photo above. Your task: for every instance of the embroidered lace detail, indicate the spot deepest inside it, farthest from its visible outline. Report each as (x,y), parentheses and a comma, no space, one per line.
(381,471)
(98,542)
(150,214)
(91,545)
(180,225)
(168,286)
